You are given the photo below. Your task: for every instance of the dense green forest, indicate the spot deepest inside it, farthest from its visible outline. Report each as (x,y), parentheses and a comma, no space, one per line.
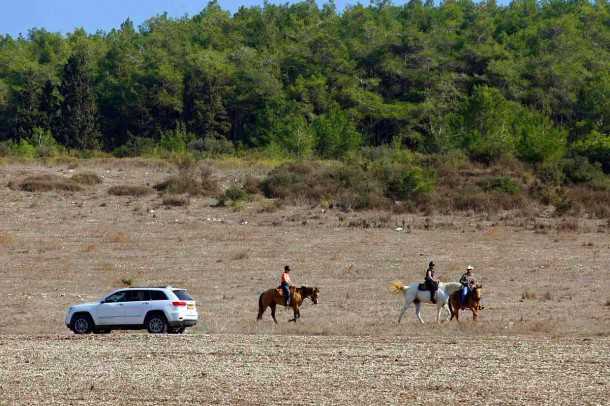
(528,80)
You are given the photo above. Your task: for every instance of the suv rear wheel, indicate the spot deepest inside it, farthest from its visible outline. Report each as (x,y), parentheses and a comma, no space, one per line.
(82,324)
(156,323)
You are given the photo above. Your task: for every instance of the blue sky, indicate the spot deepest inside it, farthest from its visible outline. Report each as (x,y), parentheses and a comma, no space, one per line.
(18,16)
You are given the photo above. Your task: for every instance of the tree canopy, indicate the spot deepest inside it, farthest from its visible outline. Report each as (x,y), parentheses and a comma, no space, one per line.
(529,79)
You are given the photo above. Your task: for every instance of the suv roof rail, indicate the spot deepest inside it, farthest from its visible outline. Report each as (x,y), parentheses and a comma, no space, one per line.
(153,287)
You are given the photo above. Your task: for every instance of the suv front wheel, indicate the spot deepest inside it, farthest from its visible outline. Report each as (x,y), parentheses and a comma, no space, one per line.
(156,323)
(82,324)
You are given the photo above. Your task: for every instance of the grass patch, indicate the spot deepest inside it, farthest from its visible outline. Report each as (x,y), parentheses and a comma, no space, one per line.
(46,183)
(87,178)
(129,190)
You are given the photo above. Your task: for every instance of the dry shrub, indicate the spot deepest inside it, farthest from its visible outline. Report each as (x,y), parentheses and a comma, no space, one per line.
(594,202)
(568,225)
(252,185)
(87,178)
(547,296)
(176,201)
(129,190)
(270,206)
(127,282)
(348,187)
(46,183)
(192,180)
(528,294)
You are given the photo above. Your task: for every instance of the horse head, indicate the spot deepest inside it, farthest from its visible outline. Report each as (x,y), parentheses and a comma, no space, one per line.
(310,292)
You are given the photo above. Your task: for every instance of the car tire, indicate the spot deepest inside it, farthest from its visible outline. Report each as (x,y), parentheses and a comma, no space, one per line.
(82,324)
(156,324)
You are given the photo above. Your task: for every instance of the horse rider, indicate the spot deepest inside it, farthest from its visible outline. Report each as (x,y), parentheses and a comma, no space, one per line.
(431,281)
(468,283)
(285,284)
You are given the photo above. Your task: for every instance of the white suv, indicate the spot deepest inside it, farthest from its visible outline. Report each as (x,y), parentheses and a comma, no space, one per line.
(159,310)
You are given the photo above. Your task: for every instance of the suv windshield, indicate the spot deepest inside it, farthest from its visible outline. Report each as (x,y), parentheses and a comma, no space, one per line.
(182,295)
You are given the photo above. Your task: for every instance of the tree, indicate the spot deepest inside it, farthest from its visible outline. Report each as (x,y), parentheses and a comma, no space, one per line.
(79,127)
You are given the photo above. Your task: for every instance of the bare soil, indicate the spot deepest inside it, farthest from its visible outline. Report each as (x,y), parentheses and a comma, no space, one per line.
(260,369)
(542,337)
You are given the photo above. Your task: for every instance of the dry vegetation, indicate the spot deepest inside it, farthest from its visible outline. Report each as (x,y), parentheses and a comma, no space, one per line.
(87,178)
(129,190)
(45,183)
(544,277)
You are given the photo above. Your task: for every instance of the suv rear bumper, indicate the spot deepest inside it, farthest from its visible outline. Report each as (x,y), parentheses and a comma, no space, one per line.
(182,323)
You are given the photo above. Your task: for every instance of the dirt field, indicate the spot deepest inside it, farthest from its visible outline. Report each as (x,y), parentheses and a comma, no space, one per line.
(546,284)
(230,369)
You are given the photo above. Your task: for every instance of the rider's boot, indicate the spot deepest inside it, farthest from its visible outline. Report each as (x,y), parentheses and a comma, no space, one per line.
(432,299)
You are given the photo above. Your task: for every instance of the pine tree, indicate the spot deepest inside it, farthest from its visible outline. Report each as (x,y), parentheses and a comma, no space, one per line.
(49,107)
(78,109)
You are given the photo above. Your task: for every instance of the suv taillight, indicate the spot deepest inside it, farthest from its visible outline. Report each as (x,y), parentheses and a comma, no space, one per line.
(179,303)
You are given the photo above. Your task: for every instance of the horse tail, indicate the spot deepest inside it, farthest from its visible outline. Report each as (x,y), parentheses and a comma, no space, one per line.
(396,287)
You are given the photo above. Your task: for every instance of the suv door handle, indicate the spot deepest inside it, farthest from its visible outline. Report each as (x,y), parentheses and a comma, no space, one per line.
(146,303)
(120,304)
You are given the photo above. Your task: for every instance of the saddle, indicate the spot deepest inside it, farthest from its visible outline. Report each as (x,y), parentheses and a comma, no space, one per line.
(422,286)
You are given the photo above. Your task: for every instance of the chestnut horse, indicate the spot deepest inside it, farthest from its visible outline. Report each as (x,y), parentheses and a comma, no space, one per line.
(273,297)
(472,302)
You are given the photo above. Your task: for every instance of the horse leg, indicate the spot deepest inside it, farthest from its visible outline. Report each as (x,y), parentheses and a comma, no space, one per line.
(418,312)
(404,309)
(261,307)
(273,312)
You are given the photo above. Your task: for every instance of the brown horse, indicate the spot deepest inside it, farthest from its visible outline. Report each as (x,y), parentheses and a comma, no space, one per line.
(273,297)
(472,302)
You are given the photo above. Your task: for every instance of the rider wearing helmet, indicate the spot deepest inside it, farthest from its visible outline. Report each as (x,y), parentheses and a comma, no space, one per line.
(285,284)
(431,282)
(468,283)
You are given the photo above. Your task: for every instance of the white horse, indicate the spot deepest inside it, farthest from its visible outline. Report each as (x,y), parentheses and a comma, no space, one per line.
(414,295)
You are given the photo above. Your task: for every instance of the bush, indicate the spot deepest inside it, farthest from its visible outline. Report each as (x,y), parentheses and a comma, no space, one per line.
(86,178)
(346,186)
(252,185)
(235,193)
(404,182)
(192,180)
(596,147)
(23,149)
(129,190)
(335,134)
(175,200)
(45,143)
(46,183)
(502,184)
(213,146)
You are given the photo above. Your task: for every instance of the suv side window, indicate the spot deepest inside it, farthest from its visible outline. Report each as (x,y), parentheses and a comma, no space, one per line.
(137,296)
(116,297)
(157,295)
(182,295)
